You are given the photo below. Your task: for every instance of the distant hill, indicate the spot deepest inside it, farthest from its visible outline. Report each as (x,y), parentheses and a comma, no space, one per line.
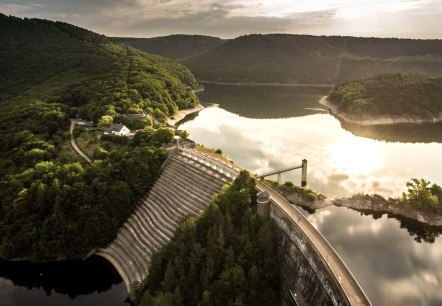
(58,62)
(175,47)
(314,59)
(390,95)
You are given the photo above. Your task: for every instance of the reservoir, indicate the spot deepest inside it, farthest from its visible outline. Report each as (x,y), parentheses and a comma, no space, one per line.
(264,128)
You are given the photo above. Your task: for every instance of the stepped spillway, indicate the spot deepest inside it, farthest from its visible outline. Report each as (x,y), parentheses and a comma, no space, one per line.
(187,183)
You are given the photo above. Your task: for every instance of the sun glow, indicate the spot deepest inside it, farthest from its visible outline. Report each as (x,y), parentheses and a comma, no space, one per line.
(356,155)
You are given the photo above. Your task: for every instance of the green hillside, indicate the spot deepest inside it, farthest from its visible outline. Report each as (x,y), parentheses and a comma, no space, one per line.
(174,46)
(390,94)
(314,59)
(58,62)
(54,204)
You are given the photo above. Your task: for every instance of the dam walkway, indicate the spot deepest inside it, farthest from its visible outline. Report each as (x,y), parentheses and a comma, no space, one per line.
(188,181)
(335,267)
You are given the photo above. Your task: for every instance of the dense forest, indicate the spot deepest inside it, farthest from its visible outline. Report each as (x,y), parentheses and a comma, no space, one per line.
(175,47)
(53,204)
(314,59)
(226,256)
(390,94)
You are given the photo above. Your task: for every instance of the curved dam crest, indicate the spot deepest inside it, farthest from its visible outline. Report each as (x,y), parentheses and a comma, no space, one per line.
(188,181)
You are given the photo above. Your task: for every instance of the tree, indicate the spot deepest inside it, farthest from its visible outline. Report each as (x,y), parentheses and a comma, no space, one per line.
(419,193)
(105,121)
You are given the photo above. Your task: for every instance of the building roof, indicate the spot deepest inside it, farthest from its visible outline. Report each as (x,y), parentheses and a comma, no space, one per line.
(115,127)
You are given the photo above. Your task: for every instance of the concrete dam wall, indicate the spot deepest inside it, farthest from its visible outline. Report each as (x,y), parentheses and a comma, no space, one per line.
(312,272)
(187,183)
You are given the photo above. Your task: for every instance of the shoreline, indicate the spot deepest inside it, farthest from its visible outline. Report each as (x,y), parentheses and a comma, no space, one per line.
(373,204)
(268,84)
(183,113)
(380,120)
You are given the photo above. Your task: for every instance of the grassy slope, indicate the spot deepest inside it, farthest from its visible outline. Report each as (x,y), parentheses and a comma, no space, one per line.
(174,46)
(314,59)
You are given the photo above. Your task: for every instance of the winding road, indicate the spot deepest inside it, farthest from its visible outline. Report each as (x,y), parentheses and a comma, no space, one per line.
(74,145)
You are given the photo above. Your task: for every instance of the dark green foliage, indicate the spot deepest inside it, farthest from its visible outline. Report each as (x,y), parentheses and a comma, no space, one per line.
(153,137)
(58,62)
(52,203)
(390,94)
(423,197)
(314,59)
(225,257)
(173,46)
(55,210)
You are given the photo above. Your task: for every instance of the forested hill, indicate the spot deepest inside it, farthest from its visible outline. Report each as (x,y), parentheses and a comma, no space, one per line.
(314,59)
(175,47)
(53,204)
(58,62)
(390,94)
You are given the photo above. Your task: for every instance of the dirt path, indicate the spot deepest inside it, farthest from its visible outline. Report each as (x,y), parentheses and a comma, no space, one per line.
(74,145)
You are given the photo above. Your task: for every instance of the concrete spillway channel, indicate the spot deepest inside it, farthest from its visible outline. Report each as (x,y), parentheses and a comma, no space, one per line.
(187,183)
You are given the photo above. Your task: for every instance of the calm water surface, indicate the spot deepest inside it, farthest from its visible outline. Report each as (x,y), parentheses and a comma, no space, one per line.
(391,266)
(339,163)
(90,282)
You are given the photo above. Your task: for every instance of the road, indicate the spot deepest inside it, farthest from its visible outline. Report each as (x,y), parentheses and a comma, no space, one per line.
(351,288)
(74,145)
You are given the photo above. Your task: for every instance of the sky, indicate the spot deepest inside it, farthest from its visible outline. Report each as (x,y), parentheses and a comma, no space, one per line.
(232,18)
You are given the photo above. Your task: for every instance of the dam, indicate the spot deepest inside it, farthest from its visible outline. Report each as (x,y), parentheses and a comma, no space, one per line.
(312,273)
(187,183)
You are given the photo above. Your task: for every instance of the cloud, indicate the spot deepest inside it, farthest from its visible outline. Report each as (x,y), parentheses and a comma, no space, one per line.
(230,18)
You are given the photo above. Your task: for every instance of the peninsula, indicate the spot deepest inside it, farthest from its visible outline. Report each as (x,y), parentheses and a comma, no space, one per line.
(387,99)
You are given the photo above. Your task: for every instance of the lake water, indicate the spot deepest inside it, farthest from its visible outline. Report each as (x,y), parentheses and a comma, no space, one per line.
(339,163)
(90,282)
(263,129)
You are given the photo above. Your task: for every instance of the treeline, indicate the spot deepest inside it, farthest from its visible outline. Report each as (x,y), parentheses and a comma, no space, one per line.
(226,256)
(314,59)
(175,47)
(53,204)
(390,94)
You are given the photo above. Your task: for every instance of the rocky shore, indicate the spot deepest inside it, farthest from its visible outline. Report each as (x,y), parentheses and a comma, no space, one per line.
(371,204)
(378,120)
(378,204)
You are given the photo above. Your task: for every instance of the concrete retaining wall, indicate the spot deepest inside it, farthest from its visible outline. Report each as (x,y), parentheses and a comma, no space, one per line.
(303,269)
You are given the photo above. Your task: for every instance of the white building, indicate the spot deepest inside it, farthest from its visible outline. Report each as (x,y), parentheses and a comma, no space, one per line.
(117,129)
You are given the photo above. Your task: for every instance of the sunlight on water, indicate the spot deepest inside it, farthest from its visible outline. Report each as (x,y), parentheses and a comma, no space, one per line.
(339,163)
(355,155)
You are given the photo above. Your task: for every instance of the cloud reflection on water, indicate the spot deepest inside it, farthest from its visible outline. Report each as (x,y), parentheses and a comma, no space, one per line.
(339,162)
(391,267)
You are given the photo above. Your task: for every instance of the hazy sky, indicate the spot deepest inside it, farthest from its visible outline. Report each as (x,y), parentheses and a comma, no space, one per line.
(231,18)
